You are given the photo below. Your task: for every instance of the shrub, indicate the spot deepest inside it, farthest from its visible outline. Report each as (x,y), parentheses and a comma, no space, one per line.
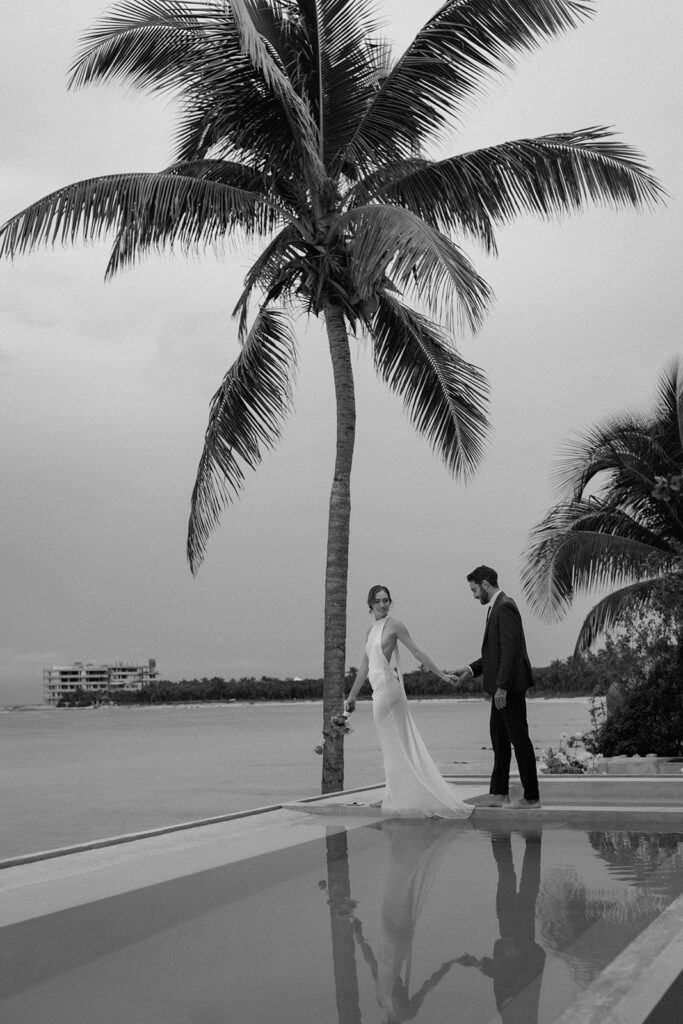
(647,717)
(650,719)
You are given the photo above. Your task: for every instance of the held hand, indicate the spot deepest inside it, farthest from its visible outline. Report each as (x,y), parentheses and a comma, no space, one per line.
(461,674)
(349,707)
(467,960)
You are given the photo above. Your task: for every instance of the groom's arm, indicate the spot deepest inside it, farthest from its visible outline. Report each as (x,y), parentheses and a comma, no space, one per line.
(474,670)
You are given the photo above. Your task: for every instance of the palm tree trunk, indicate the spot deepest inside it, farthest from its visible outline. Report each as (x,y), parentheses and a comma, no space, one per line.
(341,925)
(336,570)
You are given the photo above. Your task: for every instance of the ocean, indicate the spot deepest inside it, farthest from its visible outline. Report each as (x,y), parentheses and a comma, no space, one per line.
(74,775)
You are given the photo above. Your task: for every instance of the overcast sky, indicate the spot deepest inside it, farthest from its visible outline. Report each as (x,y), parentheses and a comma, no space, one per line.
(105,388)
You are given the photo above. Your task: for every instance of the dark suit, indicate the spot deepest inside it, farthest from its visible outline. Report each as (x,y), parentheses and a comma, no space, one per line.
(518,961)
(505,665)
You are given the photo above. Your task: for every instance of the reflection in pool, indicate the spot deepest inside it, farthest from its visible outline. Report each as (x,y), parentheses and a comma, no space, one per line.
(515,965)
(428,921)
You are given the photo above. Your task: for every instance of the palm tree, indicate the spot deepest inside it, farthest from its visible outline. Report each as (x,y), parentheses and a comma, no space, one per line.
(296,124)
(619,520)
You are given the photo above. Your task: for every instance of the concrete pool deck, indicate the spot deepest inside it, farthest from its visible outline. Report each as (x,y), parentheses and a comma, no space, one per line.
(634,989)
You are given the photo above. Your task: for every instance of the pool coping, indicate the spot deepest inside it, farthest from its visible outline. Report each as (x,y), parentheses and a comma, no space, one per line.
(632,988)
(642,791)
(628,991)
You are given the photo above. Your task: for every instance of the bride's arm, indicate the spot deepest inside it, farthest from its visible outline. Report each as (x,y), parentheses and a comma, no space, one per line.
(404,636)
(361,676)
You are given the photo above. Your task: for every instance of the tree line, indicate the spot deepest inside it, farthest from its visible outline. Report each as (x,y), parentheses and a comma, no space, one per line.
(587,675)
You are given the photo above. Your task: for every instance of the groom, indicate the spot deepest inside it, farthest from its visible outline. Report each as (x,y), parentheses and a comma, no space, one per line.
(506,671)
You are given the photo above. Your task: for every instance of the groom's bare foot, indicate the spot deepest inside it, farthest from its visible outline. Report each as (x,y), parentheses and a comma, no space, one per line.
(526,803)
(493,800)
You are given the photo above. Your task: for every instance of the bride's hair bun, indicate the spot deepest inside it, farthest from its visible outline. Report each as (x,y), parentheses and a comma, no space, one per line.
(374,591)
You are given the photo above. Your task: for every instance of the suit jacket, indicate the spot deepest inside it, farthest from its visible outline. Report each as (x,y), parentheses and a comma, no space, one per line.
(504,661)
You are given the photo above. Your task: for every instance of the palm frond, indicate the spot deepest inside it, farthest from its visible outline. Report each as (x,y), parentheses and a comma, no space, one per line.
(198,51)
(265,58)
(141,234)
(227,172)
(388,241)
(441,193)
(444,396)
(669,410)
(215,126)
(546,176)
(342,73)
(622,458)
(604,449)
(246,416)
(614,529)
(145,43)
(452,57)
(272,269)
(608,612)
(583,546)
(146,210)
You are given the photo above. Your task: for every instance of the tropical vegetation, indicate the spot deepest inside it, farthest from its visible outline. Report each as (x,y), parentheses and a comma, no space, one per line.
(643,713)
(297,124)
(649,719)
(619,524)
(619,521)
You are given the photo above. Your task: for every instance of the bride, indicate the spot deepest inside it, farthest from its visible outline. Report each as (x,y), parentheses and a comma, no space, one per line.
(414,786)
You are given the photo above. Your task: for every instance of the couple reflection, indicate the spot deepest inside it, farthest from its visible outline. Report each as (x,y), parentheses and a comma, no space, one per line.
(517,961)
(417,851)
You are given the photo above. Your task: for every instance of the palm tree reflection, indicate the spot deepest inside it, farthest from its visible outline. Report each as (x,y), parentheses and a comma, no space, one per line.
(517,961)
(588,926)
(341,906)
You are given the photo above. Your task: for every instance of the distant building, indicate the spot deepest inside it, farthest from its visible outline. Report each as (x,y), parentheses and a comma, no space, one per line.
(60,681)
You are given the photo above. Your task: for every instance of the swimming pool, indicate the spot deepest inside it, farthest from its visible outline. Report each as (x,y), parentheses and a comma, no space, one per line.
(431,921)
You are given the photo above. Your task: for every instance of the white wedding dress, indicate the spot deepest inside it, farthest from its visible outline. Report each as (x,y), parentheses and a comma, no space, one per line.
(414,786)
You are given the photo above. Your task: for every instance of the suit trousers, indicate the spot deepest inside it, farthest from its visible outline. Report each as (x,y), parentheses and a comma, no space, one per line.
(510,731)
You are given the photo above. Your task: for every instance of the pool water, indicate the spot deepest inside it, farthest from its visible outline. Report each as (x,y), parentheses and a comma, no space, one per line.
(430,921)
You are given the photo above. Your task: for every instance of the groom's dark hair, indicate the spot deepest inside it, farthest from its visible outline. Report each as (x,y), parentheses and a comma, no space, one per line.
(483,573)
